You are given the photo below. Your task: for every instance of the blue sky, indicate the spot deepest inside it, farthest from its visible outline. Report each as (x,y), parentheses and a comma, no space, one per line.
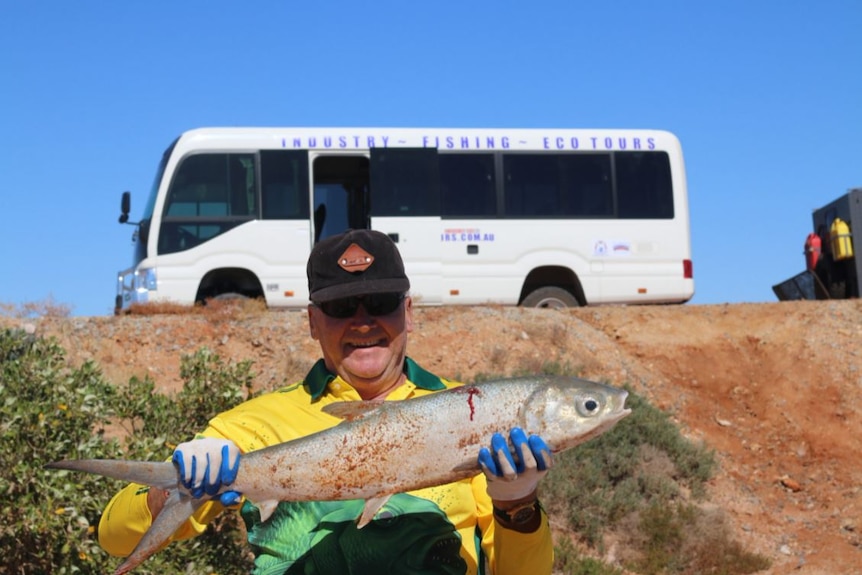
(766,98)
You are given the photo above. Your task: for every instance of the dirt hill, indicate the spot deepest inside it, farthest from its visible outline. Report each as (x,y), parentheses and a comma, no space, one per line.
(772,388)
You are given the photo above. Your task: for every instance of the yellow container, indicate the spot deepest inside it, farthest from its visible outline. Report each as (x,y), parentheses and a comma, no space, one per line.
(842,247)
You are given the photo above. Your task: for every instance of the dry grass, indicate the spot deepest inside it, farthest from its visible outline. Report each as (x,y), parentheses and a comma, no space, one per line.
(45,308)
(216,309)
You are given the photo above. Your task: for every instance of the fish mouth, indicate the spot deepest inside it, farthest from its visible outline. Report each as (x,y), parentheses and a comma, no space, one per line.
(619,410)
(614,408)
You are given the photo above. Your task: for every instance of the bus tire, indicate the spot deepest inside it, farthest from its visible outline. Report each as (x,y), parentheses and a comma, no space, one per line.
(230,296)
(551,297)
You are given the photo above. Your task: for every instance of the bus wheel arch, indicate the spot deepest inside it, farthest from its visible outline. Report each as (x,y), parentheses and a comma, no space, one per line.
(552,287)
(229,283)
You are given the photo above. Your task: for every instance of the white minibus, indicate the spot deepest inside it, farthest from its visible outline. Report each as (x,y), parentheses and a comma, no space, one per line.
(532,217)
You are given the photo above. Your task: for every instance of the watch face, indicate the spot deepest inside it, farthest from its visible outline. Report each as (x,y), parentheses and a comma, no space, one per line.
(523,515)
(518,515)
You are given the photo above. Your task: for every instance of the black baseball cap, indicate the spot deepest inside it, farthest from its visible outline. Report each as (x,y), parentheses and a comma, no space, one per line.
(357,262)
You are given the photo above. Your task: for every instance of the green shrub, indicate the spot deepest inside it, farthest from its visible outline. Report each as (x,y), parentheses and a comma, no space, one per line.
(568,560)
(158,423)
(640,470)
(51,412)
(668,546)
(642,459)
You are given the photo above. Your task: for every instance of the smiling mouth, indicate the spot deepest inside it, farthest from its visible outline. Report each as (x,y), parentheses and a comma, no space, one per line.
(366,344)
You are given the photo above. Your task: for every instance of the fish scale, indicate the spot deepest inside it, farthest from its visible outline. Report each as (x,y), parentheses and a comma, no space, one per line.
(386,447)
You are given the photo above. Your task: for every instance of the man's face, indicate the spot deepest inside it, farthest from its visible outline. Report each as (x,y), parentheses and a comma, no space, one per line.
(366,351)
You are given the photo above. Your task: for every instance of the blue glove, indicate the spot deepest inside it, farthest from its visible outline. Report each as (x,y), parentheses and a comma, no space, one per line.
(511,480)
(207,465)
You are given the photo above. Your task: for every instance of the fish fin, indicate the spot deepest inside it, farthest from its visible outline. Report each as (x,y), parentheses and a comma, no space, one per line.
(372,506)
(178,508)
(351,410)
(155,474)
(266,508)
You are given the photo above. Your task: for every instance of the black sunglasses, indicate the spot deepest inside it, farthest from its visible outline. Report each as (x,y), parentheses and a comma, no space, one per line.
(375,304)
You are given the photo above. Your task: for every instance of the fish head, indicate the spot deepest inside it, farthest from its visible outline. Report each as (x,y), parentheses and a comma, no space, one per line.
(567,411)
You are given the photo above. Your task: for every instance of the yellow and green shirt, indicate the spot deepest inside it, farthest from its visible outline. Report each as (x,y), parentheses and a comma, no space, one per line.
(447,529)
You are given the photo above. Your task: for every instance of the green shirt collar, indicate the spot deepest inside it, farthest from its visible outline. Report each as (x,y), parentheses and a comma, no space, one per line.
(319,377)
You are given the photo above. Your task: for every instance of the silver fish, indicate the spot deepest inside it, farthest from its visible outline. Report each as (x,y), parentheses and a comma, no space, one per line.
(385,447)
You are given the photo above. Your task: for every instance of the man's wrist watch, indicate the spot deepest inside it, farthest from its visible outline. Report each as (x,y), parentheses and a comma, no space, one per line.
(519,514)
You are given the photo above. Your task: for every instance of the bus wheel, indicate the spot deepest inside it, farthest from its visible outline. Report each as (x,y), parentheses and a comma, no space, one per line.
(550,297)
(227,297)
(230,296)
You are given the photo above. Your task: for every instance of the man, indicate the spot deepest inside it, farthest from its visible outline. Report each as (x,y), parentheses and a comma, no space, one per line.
(361,315)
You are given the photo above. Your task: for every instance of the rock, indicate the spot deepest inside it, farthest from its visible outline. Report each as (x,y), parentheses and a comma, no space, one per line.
(791,484)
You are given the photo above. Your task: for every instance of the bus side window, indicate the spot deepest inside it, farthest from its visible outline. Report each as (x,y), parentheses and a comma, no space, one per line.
(586,185)
(531,185)
(284,184)
(557,186)
(242,186)
(644,185)
(405,182)
(467,186)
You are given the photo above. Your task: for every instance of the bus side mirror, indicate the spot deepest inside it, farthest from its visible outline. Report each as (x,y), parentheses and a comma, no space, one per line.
(125,206)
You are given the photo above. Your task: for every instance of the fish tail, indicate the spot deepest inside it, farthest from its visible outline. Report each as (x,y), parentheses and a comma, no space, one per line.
(178,508)
(155,474)
(163,475)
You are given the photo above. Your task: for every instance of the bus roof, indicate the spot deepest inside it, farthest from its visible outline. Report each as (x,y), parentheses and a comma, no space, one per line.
(455,139)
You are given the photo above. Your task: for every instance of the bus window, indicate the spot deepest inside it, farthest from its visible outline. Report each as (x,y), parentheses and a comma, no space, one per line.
(644,186)
(210,194)
(557,185)
(404,182)
(530,185)
(242,194)
(284,184)
(467,185)
(586,185)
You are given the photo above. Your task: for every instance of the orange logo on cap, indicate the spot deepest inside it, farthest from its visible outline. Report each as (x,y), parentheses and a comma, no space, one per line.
(355,259)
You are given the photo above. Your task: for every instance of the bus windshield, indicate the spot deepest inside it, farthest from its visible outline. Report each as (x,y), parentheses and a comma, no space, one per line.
(143,231)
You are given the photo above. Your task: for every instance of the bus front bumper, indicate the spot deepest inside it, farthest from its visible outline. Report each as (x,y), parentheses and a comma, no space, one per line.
(133,287)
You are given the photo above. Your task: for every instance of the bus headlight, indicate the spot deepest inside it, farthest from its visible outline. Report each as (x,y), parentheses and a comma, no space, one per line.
(146,280)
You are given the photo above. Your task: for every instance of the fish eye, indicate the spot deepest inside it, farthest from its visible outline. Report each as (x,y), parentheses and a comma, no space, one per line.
(588,406)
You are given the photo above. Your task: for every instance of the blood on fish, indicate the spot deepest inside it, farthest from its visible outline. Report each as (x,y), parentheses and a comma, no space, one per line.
(471,391)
